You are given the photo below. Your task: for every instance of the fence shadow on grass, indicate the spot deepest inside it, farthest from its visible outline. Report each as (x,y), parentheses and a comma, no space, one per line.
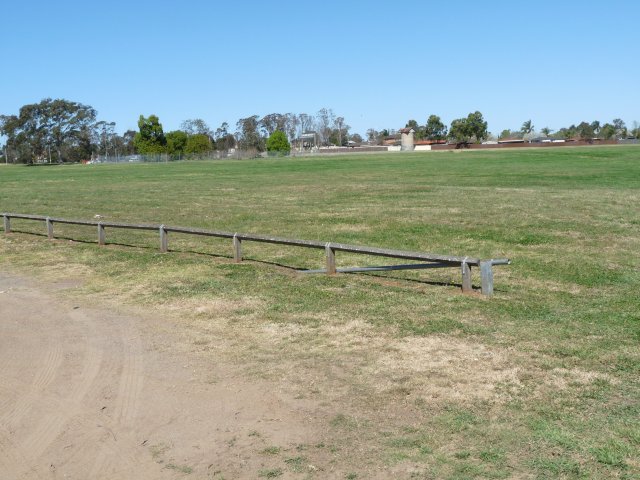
(288,267)
(330,248)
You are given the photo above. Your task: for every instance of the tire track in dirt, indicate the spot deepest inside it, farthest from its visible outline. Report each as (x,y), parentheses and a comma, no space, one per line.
(42,380)
(47,432)
(86,390)
(107,438)
(12,462)
(45,351)
(109,389)
(119,450)
(110,449)
(131,380)
(8,394)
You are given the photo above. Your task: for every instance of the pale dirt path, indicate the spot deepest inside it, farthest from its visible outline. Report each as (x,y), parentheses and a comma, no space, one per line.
(90,393)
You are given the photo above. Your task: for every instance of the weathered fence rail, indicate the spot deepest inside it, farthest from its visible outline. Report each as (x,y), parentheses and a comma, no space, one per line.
(330,248)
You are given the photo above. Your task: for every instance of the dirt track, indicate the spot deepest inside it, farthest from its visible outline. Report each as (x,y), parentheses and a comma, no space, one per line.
(90,393)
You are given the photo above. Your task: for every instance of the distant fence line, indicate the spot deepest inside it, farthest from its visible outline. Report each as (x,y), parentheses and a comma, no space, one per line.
(234,154)
(237,154)
(499,146)
(330,248)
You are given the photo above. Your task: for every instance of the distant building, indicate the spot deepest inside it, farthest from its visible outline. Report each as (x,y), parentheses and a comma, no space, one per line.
(309,140)
(425,145)
(406,139)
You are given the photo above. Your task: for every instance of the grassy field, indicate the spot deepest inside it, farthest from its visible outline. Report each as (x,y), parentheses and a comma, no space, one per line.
(542,380)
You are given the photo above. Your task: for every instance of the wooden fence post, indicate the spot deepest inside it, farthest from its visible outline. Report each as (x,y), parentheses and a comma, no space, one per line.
(164,239)
(486,276)
(101,234)
(7,223)
(467,287)
(331,259)
(237,248)
(49,228)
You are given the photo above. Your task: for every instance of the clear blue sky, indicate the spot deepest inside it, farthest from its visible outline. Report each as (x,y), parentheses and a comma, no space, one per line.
(378,64)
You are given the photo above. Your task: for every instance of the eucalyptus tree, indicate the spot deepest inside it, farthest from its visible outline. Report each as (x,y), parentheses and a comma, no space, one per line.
(225,141)
(325,119)
(248,136)
(59,129)
(435,129)
(195,126)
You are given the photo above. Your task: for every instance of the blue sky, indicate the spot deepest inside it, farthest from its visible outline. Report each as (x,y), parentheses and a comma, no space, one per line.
(376,63)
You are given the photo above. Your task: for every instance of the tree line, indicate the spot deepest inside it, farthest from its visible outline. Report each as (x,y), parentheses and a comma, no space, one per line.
(584,131)
(59,130)
(473,128)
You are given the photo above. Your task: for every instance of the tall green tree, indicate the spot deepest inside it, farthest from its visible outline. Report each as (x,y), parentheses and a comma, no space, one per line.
(435,129)
(176,142)
(460,131)
(620,126)
(477,126)
(607,131)
(150,138)
(249,137)
(123,144)
(105,138)
(585,131)
(340,132)
(472,128)
(506,133)
(198,144)
(277,144)
(58,129)
(225,141)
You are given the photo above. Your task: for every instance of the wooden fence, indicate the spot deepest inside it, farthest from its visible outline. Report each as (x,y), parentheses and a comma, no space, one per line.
(432,260)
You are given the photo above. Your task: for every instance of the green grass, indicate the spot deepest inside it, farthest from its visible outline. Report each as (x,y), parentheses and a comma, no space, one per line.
(270,473)
(180,468)
(565,314)
(273,450)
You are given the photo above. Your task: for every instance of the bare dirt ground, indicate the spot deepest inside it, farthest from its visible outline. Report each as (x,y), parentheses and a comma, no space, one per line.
(93,388)
(91,393)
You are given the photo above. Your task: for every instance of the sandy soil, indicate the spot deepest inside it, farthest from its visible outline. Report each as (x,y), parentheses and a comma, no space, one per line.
(91,393)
